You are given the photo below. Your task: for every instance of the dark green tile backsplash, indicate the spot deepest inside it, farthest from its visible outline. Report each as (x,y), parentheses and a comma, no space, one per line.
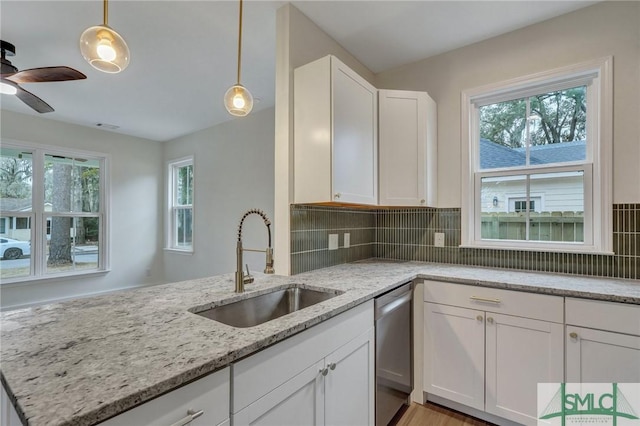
(408,234)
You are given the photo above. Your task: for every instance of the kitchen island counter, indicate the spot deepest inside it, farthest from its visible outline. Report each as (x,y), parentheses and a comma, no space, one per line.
(82,361)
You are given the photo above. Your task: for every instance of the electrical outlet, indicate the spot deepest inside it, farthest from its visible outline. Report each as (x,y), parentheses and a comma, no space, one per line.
(333,241)
(438,239)
(347,240)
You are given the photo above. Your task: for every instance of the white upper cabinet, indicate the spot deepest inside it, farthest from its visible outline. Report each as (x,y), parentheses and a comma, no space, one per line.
(335,135)
(408,148)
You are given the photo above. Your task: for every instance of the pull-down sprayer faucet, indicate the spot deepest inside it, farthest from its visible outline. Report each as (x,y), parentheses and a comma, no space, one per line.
(241,278)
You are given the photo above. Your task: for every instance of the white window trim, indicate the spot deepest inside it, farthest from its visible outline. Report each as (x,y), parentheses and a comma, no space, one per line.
(169,225)
(598,178)
(38,215)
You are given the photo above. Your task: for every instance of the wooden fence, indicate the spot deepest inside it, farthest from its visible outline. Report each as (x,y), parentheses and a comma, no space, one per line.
(544,226)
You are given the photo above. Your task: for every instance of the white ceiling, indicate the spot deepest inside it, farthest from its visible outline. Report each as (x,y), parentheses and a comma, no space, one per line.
(183,53)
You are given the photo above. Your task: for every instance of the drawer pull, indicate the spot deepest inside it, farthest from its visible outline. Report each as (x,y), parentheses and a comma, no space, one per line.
(485,299)
(324,371)
(573,335)
(490,320)
(332,366)
(191,415)
(479,318)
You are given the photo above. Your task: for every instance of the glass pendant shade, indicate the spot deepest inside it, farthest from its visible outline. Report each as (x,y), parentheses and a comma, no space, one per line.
(238,100)
(104,49)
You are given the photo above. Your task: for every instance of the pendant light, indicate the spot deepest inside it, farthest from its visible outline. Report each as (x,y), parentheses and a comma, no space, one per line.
(238,99)
(103,48)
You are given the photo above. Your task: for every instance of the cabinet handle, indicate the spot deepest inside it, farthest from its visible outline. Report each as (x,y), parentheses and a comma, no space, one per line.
(423,201)
(479,318)
(324,371)
(490,320)
(573,335)
(191,415)
(485,299)
(337,195)
(332,366)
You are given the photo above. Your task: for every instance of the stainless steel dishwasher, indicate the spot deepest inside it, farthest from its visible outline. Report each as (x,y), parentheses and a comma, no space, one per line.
(394,372)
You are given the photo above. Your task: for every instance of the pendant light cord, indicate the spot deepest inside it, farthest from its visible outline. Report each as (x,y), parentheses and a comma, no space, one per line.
(239,40)
(106,13)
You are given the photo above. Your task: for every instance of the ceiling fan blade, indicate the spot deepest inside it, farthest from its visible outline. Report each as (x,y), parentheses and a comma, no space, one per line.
(33,101)
(44,74)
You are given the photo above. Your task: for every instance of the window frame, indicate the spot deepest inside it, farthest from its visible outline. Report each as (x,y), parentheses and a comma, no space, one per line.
(172,208)
(597,74)
(38,217)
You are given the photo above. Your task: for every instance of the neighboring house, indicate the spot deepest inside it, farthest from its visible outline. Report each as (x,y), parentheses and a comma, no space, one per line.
(559,192)
(18,228)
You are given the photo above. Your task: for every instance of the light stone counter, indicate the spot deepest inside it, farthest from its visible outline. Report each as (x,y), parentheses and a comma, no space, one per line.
(83,361)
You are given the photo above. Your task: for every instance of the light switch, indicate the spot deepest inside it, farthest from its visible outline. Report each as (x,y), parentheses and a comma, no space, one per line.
(438,239)
(347,240)
(333,241)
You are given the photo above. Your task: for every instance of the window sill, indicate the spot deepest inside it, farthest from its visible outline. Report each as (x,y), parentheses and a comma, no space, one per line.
(513,246)
(179,251)
(50,278)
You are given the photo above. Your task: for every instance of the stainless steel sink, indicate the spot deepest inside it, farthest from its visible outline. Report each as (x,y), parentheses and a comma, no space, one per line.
(266,307)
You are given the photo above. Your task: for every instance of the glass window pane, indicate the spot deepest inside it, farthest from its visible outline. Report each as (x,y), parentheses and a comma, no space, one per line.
(15,248)
(184,185)
(72,243)
(499,221)
(71,184)
(183,231)
(503,134)
(558,126)
(560,216)
(15,180)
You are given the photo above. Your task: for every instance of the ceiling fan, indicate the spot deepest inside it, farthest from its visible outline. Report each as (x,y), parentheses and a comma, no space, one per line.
(11,78)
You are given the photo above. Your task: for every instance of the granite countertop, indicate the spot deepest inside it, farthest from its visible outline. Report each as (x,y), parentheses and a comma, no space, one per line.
(83,361)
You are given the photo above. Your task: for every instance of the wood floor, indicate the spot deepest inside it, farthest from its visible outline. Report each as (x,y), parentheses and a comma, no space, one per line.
(435,415)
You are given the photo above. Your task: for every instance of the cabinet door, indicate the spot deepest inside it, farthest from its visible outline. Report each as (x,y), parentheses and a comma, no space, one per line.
(350,382)
(355,138)
(299,401)
(520,353)
(407,146)
(454,354)
(595,356)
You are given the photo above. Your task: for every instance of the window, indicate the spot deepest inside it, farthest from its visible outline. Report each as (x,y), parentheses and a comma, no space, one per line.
(537,161)
(180,227)
(53,211)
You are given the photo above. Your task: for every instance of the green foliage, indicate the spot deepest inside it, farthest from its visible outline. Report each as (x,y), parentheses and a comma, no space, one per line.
(560,116)
(15,178)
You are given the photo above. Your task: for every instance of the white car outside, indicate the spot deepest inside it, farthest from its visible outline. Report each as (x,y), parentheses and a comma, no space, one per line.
(11,249)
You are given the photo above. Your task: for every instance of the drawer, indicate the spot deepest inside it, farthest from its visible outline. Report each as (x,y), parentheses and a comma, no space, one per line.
(609,316)
(508,302)
(209,394)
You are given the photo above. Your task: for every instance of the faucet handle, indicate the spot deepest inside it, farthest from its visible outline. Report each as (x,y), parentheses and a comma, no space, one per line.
(268,269)
(247,279)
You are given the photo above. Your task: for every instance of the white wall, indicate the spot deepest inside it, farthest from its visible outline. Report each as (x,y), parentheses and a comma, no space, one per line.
(136,199)
(607,28)
(233,173)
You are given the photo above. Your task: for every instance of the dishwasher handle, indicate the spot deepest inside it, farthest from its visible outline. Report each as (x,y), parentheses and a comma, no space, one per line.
(392,305)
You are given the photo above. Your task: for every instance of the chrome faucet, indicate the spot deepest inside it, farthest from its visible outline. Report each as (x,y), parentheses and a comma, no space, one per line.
(241,278)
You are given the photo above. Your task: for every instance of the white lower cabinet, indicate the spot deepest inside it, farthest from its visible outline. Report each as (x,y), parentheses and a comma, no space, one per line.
(520,353)
(205,401)
(490,358)
(299,400)
(323,376)
(603,342)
